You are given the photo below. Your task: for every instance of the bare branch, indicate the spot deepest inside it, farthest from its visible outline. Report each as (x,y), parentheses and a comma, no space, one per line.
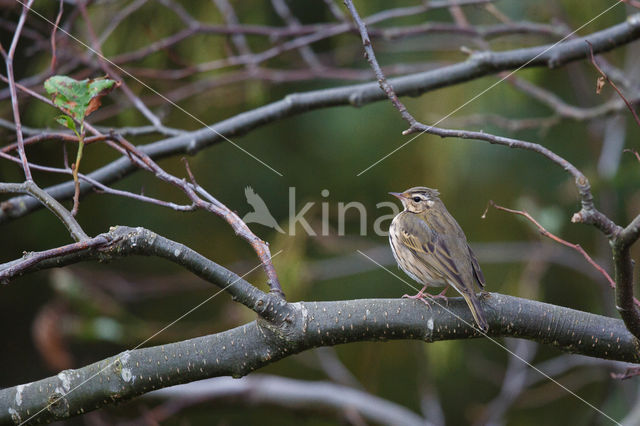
(287,393)
(477,65)
(191,190)
(122,241)
(309,34)
(53,35)
(8,58)
(386,87)
(560,107)
(29,187)
(32,261)
(631,372)
(281,8)
(548,234)
(308,325)
(623,264)
(604,76)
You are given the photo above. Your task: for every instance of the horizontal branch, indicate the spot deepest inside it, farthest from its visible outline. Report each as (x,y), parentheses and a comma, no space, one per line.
(477,65)
(241,350)
(123,241)
(262,389)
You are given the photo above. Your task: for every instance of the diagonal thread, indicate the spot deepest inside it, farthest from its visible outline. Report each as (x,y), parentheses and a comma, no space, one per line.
(499,344)
(491,87)
(148,339)
(146,86)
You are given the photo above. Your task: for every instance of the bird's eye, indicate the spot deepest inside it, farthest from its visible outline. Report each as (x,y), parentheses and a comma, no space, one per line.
(417,199)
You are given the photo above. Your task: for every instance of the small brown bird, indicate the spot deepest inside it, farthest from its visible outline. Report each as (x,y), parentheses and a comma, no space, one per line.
(431,248)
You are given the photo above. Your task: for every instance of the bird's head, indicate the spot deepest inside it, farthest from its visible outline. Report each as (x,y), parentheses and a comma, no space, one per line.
(418,199)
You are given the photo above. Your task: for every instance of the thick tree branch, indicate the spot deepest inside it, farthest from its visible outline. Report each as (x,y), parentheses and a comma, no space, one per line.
(622,239)
(478,65)
(241,350)
(623,269)
(122,241)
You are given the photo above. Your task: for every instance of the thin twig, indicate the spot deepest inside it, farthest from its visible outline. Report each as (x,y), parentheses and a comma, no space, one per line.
(604,76)
(557,239)
(100,187)
(44,137)
(191,190)
(53,36)
(29,187)
(629,373)
(30,259)
(8,58)
(632,3)
(371,58)
(106,67)
(306,52)
(634,152)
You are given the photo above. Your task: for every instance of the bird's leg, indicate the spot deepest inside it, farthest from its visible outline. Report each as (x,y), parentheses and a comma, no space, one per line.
(425,297)
(419,296)
(441,295)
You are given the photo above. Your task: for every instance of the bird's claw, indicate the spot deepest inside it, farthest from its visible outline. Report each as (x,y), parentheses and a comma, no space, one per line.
(441,297)
(417,296)
(426,297)
(421,297)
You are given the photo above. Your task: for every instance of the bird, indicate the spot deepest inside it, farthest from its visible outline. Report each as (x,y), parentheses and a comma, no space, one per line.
(430,247)
(260,213)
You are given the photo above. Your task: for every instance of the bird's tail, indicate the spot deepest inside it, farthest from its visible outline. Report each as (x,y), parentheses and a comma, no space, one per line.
(476,311)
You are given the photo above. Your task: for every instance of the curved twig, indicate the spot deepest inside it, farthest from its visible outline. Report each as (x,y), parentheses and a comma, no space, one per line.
(29,187)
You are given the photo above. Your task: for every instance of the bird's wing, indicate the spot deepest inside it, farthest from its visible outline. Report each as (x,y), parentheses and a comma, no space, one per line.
(476,268)
(432,252)
(447,264)
(255,200)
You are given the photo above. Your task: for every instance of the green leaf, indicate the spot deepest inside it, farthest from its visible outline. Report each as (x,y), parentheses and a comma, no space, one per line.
(67,122)
(78,98)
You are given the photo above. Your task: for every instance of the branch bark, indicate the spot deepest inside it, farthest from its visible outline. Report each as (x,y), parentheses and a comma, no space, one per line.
(246,348)
(623,271)
(123,241)
(478,65)
(45,199)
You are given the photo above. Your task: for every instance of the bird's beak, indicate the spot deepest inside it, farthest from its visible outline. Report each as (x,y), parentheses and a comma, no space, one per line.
(398,195)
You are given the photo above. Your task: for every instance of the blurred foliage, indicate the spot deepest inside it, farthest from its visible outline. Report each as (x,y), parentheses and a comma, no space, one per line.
(316,151)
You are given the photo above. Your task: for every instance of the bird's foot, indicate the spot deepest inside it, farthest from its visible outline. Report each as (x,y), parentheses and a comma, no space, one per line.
(421,296)
(425,297)
(441,296)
